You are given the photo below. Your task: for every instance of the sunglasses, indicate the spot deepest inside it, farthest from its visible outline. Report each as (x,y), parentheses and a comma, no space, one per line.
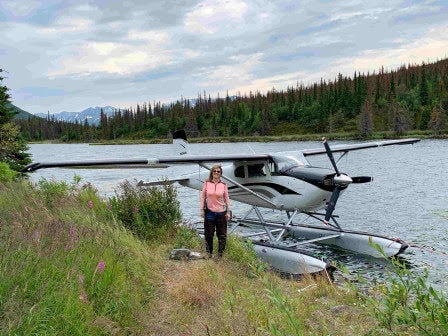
(217,171)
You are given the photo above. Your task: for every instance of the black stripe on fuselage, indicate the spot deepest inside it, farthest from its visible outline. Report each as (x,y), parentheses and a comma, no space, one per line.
(279,188)
(322,178)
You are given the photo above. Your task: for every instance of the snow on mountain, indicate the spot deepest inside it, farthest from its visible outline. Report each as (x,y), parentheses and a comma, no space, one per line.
(92,114)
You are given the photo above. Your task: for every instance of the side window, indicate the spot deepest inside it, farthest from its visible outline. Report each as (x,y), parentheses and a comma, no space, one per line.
(239,171)
(256,170)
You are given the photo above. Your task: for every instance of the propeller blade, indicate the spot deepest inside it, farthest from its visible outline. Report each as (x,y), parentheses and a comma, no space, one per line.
(330,155)
(362,179)
(332,203)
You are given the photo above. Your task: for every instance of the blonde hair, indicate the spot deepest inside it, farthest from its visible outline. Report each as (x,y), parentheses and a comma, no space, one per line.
(210,176)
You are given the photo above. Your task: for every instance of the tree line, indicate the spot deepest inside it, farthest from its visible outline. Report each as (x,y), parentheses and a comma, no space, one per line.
(408,98)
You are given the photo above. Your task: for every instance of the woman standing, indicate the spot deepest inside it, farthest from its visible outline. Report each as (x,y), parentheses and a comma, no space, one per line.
(215,209)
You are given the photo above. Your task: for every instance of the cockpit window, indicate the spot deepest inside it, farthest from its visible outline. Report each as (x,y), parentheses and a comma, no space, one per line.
(239,171)
(256,170)
(284,163)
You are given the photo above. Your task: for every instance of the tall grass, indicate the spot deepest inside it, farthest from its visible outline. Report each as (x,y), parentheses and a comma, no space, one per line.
(65,268)
(72,263)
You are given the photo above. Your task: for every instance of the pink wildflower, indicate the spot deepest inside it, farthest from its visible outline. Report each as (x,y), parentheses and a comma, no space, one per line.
(81,279)
(101,266)
(72,234)
(83,297)
(90,204)
(135,209)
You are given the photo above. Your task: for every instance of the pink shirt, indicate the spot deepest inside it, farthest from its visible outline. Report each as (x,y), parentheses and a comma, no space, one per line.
(217,196)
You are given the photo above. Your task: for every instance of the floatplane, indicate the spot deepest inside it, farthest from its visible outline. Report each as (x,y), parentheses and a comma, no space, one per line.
(284,181)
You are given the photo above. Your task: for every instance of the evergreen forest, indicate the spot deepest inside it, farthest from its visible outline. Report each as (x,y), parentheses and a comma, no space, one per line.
(412,97)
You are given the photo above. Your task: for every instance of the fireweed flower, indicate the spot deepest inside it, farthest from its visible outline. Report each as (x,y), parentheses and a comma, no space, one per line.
(135,209)
(101,266)
(72,235)
(90,204)
(83,296)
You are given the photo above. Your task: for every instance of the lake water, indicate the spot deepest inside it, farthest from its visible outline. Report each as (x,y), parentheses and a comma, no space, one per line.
(407,199)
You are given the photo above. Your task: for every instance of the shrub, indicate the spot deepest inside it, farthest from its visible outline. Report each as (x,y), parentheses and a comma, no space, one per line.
(407,301)
(6,173)
(147,211)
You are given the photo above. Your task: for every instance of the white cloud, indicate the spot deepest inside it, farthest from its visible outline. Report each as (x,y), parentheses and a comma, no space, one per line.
(112,58)
(242,77)
(431,47)
(231,75)
(139,52)
(169,49)
(263,85)
(20,8)
(68,25)
(211,16)
(150,36)
(189,53)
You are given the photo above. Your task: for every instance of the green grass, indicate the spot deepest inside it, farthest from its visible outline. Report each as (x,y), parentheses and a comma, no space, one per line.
(70,266)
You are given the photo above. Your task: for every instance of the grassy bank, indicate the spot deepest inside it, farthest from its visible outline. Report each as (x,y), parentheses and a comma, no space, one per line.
(74,264)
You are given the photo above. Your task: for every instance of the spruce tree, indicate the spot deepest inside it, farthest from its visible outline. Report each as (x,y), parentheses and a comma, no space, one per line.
(6,112)
(365,121)
(438,122)
(12,146)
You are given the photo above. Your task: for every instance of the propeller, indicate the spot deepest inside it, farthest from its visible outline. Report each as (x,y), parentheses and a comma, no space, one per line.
(362,179)
(330,156)
(332,203)
(340,181)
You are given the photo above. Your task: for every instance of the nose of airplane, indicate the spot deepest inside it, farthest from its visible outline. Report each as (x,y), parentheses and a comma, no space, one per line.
(342,180)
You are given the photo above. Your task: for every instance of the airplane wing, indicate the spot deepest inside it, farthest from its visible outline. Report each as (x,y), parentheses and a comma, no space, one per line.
(161,162)
(164,162)
(352,147)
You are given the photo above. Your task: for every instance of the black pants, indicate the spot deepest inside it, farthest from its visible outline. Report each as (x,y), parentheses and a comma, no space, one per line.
(220,225)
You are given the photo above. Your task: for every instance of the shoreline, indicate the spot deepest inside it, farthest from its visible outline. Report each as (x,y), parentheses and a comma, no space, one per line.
(267,138)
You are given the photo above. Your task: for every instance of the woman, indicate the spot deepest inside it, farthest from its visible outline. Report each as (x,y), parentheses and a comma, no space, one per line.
(215,209)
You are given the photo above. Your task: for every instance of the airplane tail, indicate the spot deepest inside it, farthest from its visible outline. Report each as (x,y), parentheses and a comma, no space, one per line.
(180,141)
(141,183)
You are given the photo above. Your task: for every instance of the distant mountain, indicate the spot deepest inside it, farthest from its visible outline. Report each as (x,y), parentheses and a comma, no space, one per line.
(92,114)
(21,113)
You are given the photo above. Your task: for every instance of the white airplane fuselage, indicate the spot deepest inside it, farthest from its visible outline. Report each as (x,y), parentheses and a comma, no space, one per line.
(264,187)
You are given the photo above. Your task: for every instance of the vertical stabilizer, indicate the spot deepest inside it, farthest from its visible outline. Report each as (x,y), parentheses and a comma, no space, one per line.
(180,140)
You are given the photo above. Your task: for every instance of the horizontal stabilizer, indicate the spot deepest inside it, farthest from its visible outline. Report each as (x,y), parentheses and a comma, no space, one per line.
(161,182)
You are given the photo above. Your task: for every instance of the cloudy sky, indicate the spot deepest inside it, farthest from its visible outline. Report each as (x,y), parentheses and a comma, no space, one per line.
(70,55)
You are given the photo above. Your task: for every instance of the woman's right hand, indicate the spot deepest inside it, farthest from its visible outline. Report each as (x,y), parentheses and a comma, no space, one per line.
(202,213)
